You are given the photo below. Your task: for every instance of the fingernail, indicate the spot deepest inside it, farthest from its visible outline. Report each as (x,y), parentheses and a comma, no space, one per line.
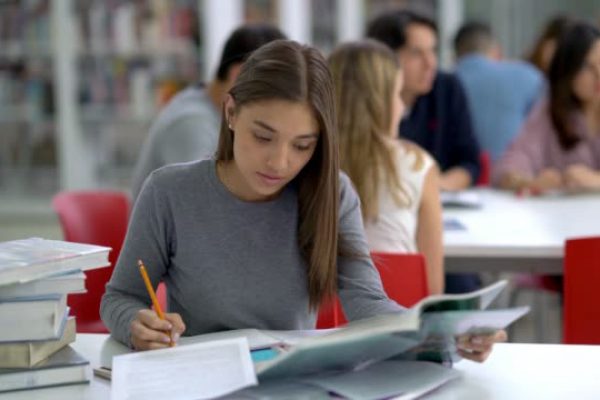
(169,327)
(166,339)
(176,337)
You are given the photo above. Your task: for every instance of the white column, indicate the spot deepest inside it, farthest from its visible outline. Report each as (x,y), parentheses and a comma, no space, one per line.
(219,19)
(75,168)
(451,14)
(295,19)
(350,20)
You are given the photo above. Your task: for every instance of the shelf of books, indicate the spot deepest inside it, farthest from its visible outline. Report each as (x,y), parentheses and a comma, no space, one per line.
(130,57)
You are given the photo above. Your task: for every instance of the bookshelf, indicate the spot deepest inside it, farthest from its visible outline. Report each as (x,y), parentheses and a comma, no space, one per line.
(80,82)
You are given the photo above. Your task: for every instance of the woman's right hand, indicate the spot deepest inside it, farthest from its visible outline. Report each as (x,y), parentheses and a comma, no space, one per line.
(149,332)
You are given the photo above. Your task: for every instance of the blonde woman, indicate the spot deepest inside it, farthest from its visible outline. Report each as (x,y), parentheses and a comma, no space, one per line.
(396,180)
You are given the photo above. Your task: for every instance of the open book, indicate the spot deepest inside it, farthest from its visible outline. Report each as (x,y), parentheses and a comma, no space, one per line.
(427,332)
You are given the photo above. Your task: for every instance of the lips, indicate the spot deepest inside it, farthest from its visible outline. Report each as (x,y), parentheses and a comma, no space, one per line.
(270,179)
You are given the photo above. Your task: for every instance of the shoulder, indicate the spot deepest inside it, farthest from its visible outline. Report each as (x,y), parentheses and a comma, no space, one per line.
(181,176)
(416,157)
(348,196)
(448,87)
(191,104)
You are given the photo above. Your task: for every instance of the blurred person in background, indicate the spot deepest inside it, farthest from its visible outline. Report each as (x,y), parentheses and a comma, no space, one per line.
(437,115)
(559,145)
(396,180)
(187,129)
(500,92)
(545,45)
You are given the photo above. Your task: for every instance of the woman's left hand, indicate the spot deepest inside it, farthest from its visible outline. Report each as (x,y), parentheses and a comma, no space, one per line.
(478,347)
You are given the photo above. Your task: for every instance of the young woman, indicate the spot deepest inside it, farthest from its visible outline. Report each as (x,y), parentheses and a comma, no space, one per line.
(396,180)
(261,235)
(559,145)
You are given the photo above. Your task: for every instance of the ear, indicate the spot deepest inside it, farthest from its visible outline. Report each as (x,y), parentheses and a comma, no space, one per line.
(229,107)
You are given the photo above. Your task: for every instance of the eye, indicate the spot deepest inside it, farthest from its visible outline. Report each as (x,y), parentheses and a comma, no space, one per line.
(262,137)
(304,146)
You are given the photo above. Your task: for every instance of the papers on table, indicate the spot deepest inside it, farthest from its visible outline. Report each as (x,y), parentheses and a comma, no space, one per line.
(196,371)
(464,199)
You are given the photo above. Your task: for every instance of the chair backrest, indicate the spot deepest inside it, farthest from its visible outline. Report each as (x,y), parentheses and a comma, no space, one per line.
(485,172)
(404,279)
(581,319)
(94,217)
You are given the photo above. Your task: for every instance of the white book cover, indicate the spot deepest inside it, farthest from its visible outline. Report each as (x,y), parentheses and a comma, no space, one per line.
(34,258)
(69,282)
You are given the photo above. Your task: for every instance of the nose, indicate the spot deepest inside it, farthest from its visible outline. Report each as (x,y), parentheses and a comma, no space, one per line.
(278,159)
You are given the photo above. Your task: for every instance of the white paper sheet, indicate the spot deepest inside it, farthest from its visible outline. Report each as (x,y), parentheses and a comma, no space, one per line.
(197,371)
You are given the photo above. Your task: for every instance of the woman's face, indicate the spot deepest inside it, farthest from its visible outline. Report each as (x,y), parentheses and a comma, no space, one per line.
(272,141)
(397,104)
(586,84)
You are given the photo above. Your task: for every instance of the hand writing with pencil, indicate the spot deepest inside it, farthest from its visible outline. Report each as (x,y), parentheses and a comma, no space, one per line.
(152,329)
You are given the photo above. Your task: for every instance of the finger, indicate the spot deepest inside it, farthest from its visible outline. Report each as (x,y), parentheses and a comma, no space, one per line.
(151,320)
(143,333)
(474,355)
(177,322)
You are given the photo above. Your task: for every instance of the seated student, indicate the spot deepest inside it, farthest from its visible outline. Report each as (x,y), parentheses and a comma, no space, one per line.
(261,235)
(559,145)
(437,115)
(187,128)
(396,180)
(500,92)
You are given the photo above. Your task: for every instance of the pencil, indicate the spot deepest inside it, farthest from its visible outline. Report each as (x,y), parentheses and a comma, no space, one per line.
(155,302)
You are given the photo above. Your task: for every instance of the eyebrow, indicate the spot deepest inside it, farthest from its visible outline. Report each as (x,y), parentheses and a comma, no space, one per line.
(271,129)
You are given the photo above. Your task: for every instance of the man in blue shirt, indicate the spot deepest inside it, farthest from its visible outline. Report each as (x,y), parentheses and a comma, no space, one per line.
(437,116)
(500,93)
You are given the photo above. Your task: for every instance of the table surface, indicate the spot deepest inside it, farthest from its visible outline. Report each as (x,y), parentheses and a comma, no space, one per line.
(513,371)
(512,231)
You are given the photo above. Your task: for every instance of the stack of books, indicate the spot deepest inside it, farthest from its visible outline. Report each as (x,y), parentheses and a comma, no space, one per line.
(36,275)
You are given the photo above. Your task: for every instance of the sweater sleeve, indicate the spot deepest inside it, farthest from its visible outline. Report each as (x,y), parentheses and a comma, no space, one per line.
(466,147)
(147,239)
(525,155)
(359,285)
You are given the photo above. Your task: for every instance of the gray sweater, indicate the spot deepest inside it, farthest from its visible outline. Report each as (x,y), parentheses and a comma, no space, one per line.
(228,263)
(187,129)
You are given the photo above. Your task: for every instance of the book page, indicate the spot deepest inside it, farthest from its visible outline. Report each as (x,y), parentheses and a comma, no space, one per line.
(386,379)
(198,371)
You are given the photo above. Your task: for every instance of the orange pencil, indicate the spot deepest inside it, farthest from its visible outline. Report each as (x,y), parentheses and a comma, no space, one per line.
(153,295)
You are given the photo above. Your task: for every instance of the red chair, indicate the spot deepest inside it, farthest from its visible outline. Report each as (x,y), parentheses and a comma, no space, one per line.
(94,217)
(581,314)
(404,279)
(485,172)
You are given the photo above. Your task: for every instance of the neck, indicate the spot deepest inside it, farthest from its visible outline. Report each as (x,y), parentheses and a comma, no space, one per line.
(408,98)
(216,93)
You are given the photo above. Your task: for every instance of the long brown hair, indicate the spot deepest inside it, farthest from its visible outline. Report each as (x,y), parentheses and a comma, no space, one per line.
(364,74)
(286,70)
(553,30)
(569,59)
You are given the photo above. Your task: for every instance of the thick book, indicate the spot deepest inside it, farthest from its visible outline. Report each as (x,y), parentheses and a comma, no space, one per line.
(33,318)
(34,258)
(63,283)
(65,367)
(28,354)
(425,332)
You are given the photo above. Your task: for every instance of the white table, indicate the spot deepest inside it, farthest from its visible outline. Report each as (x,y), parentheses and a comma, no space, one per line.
(515,234)
(513,371)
